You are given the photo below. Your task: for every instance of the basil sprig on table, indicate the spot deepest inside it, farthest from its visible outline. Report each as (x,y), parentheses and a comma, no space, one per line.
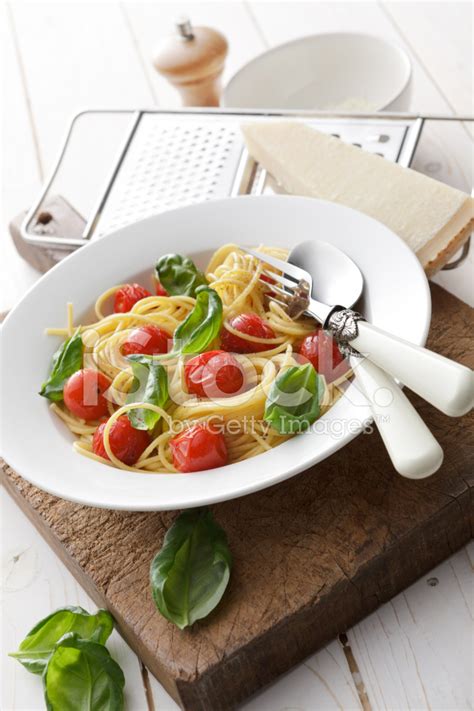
(150,384)
(82,676)
(201,326)
(191,571)
(39,643)
(179,275)
(67,649)
(66,361)
(293,400)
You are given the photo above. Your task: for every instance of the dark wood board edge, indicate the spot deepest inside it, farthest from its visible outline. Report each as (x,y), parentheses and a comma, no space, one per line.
(302,633)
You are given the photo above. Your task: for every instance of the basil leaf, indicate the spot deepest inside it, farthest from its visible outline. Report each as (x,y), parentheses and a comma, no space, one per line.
(190,573)
(66,360)
(39,643)
(202,325)
(293,401)
(82,676)
(179,275)
(150,384)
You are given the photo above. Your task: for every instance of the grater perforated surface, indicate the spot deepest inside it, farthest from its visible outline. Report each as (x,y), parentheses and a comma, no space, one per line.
(175,160)
(171,163)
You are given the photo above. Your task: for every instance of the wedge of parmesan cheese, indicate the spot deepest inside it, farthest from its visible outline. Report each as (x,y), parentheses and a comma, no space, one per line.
(433,218)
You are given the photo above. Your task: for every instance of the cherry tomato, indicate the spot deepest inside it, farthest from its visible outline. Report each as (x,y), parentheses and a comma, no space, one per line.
(127,297)
(322,352)
(149,340)
(213,374)
(83,394)
(127,443)
(251,325)
(198,448)
(160,289)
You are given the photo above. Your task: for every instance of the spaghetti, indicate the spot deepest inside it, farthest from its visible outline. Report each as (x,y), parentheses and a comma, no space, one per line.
(238,415)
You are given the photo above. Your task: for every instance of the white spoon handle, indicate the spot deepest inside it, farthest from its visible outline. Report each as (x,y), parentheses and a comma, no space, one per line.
(447,385)
(414,451)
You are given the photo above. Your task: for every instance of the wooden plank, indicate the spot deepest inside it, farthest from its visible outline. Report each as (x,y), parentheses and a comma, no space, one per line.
(71,55)
(150,21)
(21,166)
(354,534)
(76,55)
(441,35)
(34,583)
(418,647)
(162,701)
(322,681)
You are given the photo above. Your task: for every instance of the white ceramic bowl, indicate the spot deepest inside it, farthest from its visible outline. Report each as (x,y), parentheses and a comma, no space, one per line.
(37,444)
(340,71)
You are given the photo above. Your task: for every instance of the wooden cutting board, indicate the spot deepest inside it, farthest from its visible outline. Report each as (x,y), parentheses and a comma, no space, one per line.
(312,556)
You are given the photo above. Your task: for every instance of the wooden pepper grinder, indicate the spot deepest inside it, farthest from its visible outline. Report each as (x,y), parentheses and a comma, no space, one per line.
(193,60)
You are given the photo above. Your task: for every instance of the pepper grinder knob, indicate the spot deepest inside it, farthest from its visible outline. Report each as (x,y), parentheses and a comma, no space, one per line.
(193,60)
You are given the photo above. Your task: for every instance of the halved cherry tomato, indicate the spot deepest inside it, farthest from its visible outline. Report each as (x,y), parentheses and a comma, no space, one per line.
(251,325)
(149,340)
(83,394)
(323,353)
(127,443)
(198,448)
(127,297)
(160,289)
(213,374)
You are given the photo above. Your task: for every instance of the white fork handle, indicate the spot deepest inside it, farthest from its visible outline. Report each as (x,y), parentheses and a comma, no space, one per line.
(447,385)
(414,451)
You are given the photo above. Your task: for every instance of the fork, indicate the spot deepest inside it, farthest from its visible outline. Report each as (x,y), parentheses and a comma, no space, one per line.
(375,355)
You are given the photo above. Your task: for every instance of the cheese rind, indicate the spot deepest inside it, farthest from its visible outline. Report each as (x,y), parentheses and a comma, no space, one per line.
(429,216)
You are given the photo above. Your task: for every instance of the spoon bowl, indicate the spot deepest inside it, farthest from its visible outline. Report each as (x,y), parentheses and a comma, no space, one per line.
(336,279)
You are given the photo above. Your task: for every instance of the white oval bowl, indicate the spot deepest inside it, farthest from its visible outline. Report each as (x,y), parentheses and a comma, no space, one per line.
(39,447)
(328,71)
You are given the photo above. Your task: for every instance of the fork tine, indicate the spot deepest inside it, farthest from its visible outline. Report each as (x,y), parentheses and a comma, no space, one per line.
(287,302)
(279,290)
(288,269)
(283,304)
(280,279)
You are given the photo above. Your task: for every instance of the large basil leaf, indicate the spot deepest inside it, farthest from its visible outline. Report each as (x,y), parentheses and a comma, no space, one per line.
(150,384)
(190,573)
(66,360)
(82,676)
(202,325)
(293,401)
(179,275)
(39,643)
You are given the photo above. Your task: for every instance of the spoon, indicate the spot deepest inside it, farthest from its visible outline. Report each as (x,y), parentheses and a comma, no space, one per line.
(447,385)
(336,278)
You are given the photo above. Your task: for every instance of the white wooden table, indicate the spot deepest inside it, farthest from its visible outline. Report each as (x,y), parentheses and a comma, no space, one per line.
(415,652)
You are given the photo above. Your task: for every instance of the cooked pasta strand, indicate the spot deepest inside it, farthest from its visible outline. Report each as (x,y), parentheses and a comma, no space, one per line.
(234,275)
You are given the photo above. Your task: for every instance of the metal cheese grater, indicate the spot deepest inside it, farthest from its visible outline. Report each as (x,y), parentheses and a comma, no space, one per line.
(166,159)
